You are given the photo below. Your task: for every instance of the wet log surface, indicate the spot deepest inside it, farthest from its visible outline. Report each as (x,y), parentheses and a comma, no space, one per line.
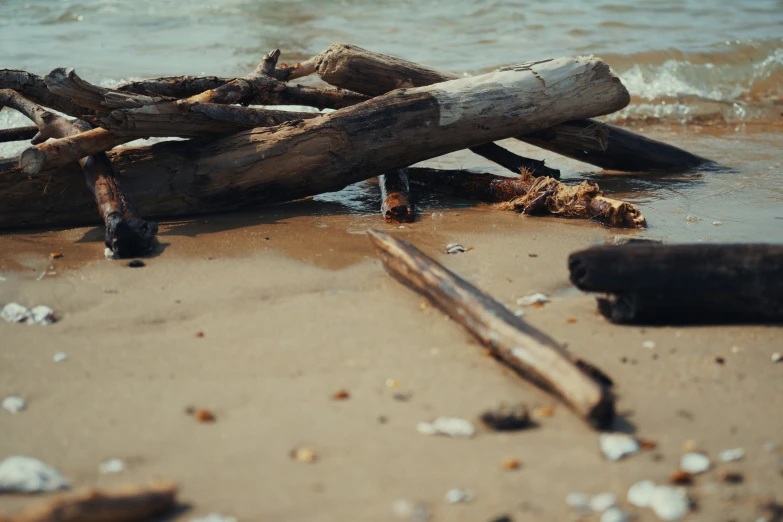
(684,284)
(329,152)
(586,140)
(528,351)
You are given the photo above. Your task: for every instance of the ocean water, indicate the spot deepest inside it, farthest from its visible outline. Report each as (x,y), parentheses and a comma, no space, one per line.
(705,75)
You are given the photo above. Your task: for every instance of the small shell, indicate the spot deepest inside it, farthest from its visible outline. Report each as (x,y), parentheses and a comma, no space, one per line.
(695,463)
(204,416)
(731,454)
(455,248)
(533,299)
(450,426)
(304,454)
(615,446)
(456,495)
(112,466)
(14,404)
(59,357)
(28,475)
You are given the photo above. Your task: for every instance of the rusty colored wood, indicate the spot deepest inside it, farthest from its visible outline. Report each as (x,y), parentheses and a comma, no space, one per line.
(531,195)
(396,204)
(525,349)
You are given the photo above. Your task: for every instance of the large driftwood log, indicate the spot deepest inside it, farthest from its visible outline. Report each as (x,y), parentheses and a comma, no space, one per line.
(699,283)
(590,141)
(331,151)
(127,234)
(127,504)
(396,197)
(525,349)
(530,195)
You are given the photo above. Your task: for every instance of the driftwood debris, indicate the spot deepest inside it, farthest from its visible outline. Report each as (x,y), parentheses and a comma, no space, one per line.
(127,234)
(522,347)
(128,504)
(531,195)
(681,284)
(396,206)
(328,152)
(590,141)
(18,134)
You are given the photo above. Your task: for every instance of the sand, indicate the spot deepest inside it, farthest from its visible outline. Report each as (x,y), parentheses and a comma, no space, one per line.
(293,307)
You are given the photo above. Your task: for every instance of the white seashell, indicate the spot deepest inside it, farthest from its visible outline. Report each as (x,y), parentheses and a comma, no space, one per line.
(59,357)
(451,426)
(532,299)
(640,494)
(456,495)
(579,502)
(14,404)
(618,445)
(112,466)
(601,502)
(455,248)
(695,463)
(731,454)
(614,514)
(28,475)
(669,503)
(15,313)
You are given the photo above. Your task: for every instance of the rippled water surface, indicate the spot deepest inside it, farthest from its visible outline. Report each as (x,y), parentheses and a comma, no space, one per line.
(687,63)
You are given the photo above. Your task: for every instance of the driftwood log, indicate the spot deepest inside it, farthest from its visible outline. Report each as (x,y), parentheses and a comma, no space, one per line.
(520,346)
(127,234)
(676,284)
(590,141)
(396,206)
(531,195)
(128,504)
(331,151)
(18,134)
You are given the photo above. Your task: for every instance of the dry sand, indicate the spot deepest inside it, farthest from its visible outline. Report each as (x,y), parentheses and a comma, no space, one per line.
(294,307)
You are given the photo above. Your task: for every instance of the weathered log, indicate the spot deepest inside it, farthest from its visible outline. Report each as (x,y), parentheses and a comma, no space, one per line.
(18,134)
(531,195)
(590,141)
(525,349)
(507,159)
(327,153)
(65,149)
(396,204)
(127,504)
(126,233)
(33,87)
(670,284)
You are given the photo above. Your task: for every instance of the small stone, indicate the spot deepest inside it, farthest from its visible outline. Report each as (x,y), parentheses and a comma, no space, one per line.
(776,357)
(519,313)
(14,404)
(650,345)
(392,383)
(55,255)
(304,454)
(532,299)
(341,395)
(203,415)
(59,357)
(730,455)
(108,253)
(112,466)
(669,503)
(455,248)
(41,315)
(136,263)
(15,313)
(733,477)
(214,517)
(28,475)
(717,223)
(507,418)
(614,514)
(695,463)
(692,219)
(579,502)
(736,349)
(681,478)
(456,495)
(510,464)
(570,320)
(641,493)
(615,446)
(407,509)
(601,502)
(449,426)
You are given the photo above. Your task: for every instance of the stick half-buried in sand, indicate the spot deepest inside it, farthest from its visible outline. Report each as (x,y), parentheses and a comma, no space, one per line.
(522,347)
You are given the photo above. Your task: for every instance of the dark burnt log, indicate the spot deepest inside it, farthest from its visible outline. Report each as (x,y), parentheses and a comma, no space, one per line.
(396,204)
(684,284)
(18,134)
(528,351)
(507,159)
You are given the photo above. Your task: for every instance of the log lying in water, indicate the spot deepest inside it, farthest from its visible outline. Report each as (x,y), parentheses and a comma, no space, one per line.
(522,347)
(396,204)
(590,141)
(127,504)
(676,284)
(327,153)
(530,195)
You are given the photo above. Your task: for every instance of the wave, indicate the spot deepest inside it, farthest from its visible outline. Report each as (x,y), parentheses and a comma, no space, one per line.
(732,83)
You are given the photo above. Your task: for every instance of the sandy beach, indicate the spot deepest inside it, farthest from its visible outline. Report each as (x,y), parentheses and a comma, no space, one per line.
(294,307)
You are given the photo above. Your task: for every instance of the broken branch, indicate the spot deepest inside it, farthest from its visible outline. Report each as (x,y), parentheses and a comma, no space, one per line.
(527,350)
(530,195)
(18,134)
(396,204)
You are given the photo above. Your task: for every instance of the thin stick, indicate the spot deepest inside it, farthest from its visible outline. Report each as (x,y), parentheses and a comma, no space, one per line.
(18,134)
(507,159)
(128,504)
(522,347)
(127,234)
(396,197)
(530,195)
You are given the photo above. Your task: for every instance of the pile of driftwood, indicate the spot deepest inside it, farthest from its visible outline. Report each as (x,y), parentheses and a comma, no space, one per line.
(389,114)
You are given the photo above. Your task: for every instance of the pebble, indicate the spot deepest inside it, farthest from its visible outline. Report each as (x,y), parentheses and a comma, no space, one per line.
(614,514)
(14,404)
(519,313)
(650,345)
(407,509)
(455,248)
(214,517)
(507,418)
(532,299)
(136,263)
(304,454)
(717,223)
(640,493)
(731,454)
(456,495)
(16,313)
(690,218)
(59,357)
(776,357)
(695,463)
(108,253)
(579,502)
(450,426)
(112,466)
(669,503)
(603,501)
(28,475)
(618,445)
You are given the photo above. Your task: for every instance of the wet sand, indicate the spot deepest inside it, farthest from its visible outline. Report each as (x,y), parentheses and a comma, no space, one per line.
(294,307)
